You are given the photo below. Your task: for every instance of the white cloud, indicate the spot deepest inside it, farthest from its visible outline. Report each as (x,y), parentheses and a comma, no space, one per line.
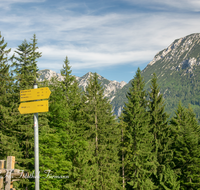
(101,40)
(186,5)
(87,59)
(7,4)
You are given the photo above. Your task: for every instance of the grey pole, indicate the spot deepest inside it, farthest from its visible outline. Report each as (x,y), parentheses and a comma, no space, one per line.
(36,147)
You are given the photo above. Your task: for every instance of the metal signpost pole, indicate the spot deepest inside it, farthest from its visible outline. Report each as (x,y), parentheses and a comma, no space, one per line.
(36,148)
(34,107)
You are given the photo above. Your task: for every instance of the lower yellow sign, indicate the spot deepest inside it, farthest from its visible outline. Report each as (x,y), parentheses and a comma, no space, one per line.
(34,107)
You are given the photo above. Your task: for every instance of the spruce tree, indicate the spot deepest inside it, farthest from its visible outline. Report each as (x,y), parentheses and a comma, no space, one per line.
(53,138)
(5,77)
(9,145)
(66,73)
(102,134)
(139,160)
(25,64)
(161,132)
(67,147)
(78,146)
(25,72)
(186,146)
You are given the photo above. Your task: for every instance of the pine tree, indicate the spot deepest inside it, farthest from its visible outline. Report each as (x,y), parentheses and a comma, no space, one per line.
(102,133)
(66,73)
(186,146)
(78,154)
(25,64)
(35,54)
(161,132)
(7,138)
(5,77)
(139,160)
(24,70)
(54,140)
(65,117)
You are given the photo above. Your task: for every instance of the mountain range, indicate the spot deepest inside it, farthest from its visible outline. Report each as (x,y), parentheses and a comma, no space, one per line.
(110,87)
(177,68)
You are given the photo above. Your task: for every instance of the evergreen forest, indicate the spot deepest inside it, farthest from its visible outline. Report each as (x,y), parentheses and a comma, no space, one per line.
(82,145)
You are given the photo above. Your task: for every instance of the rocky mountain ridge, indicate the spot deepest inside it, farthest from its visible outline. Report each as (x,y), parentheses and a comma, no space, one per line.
(111,87)
(178,71)
(182,54)
(180,48)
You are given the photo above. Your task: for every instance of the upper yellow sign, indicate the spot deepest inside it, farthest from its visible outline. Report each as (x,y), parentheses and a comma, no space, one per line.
(34,94)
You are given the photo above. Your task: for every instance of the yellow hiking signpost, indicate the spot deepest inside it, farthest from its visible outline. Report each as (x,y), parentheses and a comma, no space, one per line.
(34,94)
(35,107)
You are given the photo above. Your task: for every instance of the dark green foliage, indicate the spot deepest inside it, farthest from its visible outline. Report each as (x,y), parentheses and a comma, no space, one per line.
(186,159)
(122,126)
(139,160)
(161,142)
(5,77)
(25,64)
(66,72)
(64,142)
(7,138)
(102,133)
(54,152)
(77,146)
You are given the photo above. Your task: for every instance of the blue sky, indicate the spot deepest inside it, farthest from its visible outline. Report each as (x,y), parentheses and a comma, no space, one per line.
(110,37)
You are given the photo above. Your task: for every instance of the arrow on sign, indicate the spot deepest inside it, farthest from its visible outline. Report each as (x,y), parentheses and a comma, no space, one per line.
(35,94)
(34,107)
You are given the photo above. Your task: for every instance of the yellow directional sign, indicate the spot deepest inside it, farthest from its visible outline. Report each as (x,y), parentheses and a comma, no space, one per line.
(35,94)
(34,107)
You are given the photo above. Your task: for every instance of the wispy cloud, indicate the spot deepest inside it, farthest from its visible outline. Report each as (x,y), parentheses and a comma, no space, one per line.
(7,4)
(89,59)
(168,5)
